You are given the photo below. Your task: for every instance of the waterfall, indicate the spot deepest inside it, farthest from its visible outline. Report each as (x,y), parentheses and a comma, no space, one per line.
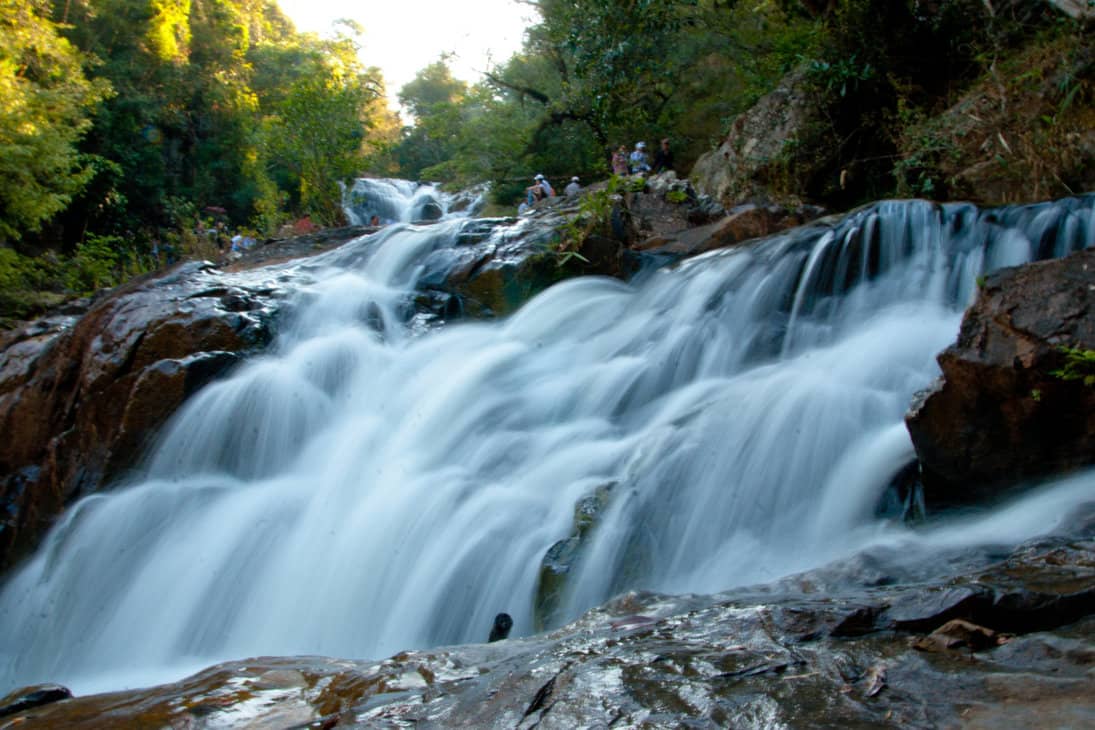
(402,201)
(365,488)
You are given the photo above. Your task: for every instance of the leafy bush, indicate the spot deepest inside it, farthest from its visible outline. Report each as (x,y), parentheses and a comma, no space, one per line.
(1079,365)
(28,286)
(594,214)
(95,265)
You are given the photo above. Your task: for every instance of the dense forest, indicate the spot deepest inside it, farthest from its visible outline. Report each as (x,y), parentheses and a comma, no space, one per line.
(136,132)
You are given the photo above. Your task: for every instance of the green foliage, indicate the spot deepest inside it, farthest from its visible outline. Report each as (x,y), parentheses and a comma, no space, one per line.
(45,105)
(676,197)
(219,103)
(595,74)
(1016,133)
(317,127)
(21,273)
(840,76)
(594,216)
(440,107)
(27,286)
(96,264)
(1079,365)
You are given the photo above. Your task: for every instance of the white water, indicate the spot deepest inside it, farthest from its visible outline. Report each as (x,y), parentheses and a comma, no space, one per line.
(362,490)
(398,201)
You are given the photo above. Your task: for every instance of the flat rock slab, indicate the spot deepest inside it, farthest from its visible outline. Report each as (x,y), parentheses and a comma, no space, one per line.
(772,656)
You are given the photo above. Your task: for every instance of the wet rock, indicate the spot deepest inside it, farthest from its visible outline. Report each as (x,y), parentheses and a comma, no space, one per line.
(81,396)
(743,223)
(277,250)
(1001,414)
(500,285)
(959,634)
(650,660)
(563,556)
(705,210)
(429,211)
(859,621)
(492,273)
(28,698)
(927,609)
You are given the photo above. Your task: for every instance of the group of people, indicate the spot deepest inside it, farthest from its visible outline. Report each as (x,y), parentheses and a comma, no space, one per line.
(637,163)
(541,189)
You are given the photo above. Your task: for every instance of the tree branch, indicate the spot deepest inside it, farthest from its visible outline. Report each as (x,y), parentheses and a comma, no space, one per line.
(520,89)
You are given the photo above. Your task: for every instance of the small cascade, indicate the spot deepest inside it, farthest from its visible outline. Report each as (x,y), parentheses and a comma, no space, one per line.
(364,488)
(402,201)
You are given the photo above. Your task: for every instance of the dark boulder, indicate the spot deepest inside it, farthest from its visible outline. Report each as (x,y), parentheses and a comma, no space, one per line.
(429,211)
(1004,412)
(27,698)
(503,622)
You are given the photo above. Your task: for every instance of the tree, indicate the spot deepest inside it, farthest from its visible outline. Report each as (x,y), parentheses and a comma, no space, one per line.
(317,130)
(436,102)
(46,101)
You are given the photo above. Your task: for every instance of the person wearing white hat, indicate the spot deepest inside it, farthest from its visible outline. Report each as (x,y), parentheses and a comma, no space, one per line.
(637,160)
(539,189)
(549,192)
(573,188)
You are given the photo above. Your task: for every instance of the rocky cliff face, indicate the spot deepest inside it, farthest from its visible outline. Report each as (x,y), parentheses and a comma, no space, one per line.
(1005,411)
(757,159)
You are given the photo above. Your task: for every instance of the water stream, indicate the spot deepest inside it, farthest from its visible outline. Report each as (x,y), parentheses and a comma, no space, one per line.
(364,488)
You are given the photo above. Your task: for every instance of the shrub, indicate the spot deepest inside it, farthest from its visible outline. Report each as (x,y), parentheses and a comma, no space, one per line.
(95,265)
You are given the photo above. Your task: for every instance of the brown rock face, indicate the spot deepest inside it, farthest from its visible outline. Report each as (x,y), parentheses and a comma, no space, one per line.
(999,415)
(80,398)
(754,159)
(744,223)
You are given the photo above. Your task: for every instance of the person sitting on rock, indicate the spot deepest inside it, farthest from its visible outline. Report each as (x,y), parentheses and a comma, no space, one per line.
(573,188)
(638,161)
(539,190)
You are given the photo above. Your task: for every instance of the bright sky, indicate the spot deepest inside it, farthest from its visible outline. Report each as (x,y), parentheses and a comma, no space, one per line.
(403,36)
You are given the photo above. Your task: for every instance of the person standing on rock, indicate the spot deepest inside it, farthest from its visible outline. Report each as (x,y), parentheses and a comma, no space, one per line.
(619,161)
(663,158)
(638,159)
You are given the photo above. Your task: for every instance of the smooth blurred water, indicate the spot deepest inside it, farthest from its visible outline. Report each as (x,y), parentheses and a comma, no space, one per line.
(363,490)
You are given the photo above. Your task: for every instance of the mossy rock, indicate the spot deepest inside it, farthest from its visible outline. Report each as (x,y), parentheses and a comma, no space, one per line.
(563,556)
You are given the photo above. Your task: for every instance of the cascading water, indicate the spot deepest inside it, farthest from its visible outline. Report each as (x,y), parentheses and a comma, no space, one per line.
(402,201)
(363,489)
